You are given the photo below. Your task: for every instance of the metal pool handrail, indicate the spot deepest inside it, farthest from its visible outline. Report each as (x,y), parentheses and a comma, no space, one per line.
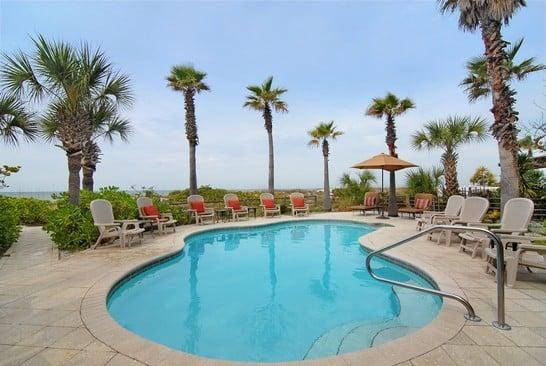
(471,315)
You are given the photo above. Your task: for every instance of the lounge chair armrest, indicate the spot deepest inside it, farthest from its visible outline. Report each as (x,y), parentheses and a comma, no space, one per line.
(523,238)
(480,225)
(167,215)
(505,231)
(145,218)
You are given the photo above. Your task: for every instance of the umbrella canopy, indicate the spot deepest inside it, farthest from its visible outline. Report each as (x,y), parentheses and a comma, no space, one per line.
(385,162)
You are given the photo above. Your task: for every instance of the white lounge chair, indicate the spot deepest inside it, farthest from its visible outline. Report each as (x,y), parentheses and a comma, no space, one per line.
(196,207)
(453,208)
(472,213)
(232,203)
(161,220)
(298,205)
(267,202)
(515,220)
(103,218)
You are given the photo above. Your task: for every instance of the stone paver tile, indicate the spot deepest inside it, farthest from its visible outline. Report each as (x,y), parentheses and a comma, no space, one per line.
(15,355)
(539,353)
(71,319)
(90,358)
(529,318)
(98,346)
(5,299)
(77,339)
(487,336)
(121,360)
(532,304)
(535,293)
(13,334)
(51,356)
(461,339)
(511,356)
(44,317)
(525,337)
(469,355)
(46,336)
(540,331)
(436,357)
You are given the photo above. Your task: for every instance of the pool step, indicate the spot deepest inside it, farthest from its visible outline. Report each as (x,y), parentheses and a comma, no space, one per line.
(355,336)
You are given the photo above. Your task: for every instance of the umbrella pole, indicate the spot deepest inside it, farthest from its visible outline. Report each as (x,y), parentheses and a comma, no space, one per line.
(382,216)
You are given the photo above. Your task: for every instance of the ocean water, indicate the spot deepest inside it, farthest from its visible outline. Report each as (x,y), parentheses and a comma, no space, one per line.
(282,292)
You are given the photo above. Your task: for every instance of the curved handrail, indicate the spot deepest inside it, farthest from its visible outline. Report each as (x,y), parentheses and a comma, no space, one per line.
(471,315)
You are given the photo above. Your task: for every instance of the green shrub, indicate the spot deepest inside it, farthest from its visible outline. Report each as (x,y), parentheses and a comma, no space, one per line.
(71,228)
(9,223)
(32,211)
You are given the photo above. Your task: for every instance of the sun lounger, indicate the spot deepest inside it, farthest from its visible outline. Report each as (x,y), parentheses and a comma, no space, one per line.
(267,202)
(452,209)
(233,204)
(298,205)
(148,211)
(370,203)
(423,202)
(196,207)
(110,229)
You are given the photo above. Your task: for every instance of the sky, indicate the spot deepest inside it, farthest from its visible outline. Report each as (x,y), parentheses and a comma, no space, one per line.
(332,56)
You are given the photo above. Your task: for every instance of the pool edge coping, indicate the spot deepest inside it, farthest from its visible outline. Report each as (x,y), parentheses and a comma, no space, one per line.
(446,325)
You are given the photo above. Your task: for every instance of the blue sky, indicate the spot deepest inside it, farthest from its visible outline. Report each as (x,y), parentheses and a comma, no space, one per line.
(333,57)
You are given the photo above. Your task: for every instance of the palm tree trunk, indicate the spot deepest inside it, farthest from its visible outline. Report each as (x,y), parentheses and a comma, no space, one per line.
(193,172)
(191,135)
(391,136)
(393,208)
(268,119)
(74,167)
(87,179)
(449,160)
(505,117)
(327,199)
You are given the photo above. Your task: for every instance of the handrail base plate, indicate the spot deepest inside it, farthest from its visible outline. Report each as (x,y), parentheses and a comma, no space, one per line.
(501,326)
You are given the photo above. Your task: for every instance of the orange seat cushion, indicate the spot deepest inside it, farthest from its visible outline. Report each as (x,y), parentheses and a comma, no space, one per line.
(369,201)
(422,203)
(298,202)
(234,204)
(198,206)
(269,203)
(151,211)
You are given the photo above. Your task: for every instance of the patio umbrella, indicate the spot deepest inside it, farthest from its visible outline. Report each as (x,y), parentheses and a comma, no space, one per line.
(384,162)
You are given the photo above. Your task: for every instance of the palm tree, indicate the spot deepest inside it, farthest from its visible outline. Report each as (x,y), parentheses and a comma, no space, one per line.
(477,84)
(266,99)
(489,17)
(188,80)
(448,135)
(483,177)
(390,107)
(320,136)
(355,189)
(70,82)
(423,180)
(15,121)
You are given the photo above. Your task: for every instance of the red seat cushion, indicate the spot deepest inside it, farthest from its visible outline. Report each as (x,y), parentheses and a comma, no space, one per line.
(234,204)
(369,201)
(198,206)
(298,202)
(422,203)
(268,203)
(151,211)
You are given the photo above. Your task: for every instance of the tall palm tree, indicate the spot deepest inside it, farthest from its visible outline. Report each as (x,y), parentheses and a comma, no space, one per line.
(15,121)
(488,16)
(266,99)
(390,107)
(68,82)
(477,84)
(189,81)
(319,137)
(448,135)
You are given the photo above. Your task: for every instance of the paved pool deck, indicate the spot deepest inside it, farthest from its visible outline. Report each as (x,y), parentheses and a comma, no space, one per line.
(53,312)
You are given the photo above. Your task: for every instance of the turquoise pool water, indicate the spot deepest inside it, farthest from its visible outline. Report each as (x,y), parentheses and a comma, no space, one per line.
(281,292)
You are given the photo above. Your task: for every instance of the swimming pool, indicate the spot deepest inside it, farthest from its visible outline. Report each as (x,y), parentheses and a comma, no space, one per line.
(280,292)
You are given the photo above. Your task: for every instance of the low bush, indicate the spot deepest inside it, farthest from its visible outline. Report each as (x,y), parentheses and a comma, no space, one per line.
(33,211)
(9,223)
(71,228)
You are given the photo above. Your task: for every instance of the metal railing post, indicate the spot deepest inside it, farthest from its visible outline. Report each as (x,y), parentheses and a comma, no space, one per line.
(471,315)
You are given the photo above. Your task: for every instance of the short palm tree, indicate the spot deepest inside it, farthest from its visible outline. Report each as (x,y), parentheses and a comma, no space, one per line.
(266,99)
(448,135)
(70,82)
(320,137)
(189,81)
(477,84)
(390,107)
(489,16)
(422,180)
(15,121)
(483,177)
